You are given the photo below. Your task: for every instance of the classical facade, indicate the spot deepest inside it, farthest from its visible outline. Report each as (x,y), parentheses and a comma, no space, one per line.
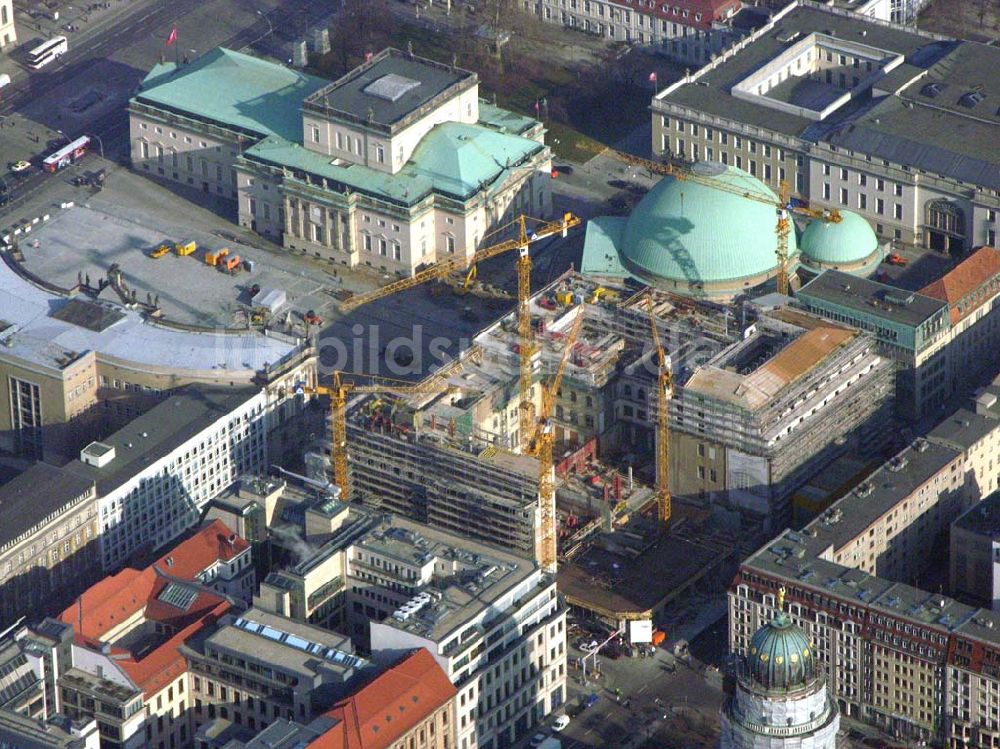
(395,165)
(853,113)
(691,31)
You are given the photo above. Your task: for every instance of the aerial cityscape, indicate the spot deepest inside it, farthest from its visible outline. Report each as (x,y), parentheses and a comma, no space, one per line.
(499,374)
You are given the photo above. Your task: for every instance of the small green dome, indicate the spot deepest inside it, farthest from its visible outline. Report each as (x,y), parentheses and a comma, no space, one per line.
(849,241)
(692,233)
(780,655)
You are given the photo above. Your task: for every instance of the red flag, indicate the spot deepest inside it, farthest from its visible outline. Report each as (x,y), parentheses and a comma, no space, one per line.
(173,36)
(652,77)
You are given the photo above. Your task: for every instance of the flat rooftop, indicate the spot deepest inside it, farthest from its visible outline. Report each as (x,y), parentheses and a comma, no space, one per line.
(387,90)
(878,300)
(37,334)
(158,432)
(764,383)
(983,518)
(944,132)
(479,574)
(293,646)
(878,494)
(31,496)
(619,583)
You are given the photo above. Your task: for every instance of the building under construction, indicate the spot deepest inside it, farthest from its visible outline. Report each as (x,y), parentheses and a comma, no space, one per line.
(762,400)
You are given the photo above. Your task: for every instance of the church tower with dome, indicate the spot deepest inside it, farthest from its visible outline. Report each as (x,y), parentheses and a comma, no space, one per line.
(779,701)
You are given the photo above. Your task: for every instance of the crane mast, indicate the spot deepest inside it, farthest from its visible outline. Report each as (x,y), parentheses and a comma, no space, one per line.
(664,385)
(542,449)
(338,393)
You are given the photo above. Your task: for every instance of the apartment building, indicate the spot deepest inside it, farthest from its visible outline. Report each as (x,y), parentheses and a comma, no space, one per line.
(491,619)
(974,559)
(409,704)
(758,420)
(59,733)
(71,368)
(255,667)
(944,336)
(691,31)
(893,655)
(128,668)
(32,660)
(488,614)
(395,165)
(49,540)
(854,113)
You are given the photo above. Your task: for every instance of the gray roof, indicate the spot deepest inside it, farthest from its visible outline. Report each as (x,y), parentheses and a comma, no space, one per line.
(159,431)
(35,494)
(294,647)
(941,132)
(982,518)
(36,334)
(873,298)
(389,88)
(711,91)
(889,485)
(963,429)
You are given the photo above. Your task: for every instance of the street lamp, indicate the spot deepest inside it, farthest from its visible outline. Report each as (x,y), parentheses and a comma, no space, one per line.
(100,143)
(270,26)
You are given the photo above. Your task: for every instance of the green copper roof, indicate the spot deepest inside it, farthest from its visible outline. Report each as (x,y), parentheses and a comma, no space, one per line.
(781,656)
(849,241)
(503,119)
(459,159)
(406,189)
(692,233)
(233,89)
(600,247)
(453,159)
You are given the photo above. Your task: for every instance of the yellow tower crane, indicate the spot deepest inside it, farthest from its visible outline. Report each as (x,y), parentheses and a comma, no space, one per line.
(664,391)
(541,448)
(338,393)
(785,205)
(526,339)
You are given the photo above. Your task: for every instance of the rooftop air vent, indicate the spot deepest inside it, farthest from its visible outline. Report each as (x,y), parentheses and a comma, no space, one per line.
(971,99)
(931,90)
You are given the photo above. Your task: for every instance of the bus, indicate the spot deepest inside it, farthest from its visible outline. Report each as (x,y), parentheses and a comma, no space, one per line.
(68,154)
(45,53)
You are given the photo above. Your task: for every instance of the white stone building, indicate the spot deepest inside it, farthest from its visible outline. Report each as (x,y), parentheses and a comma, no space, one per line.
(395,165)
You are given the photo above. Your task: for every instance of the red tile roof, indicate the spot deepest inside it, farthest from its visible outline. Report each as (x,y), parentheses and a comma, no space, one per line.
(673,10)
(209,544)
(389,706)
(117,598)
(970,275)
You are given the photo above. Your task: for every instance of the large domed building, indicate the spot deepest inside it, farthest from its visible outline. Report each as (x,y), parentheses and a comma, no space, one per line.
(692,238)
(780,700)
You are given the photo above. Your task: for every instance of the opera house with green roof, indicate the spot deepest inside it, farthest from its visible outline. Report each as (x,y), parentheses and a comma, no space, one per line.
(394,165)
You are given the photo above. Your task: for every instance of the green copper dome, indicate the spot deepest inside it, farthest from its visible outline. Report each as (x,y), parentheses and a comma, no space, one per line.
(690,232)
(781,656)
(851,240)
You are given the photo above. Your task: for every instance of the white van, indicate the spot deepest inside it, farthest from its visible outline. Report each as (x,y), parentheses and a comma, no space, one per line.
(4,80)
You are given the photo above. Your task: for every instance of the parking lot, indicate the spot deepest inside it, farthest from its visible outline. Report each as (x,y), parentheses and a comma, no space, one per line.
(84,242)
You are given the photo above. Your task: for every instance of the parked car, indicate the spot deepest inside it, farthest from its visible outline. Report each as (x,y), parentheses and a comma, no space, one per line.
(537,740)
(561,722)
(19,166)
(590,700)
(896,259)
